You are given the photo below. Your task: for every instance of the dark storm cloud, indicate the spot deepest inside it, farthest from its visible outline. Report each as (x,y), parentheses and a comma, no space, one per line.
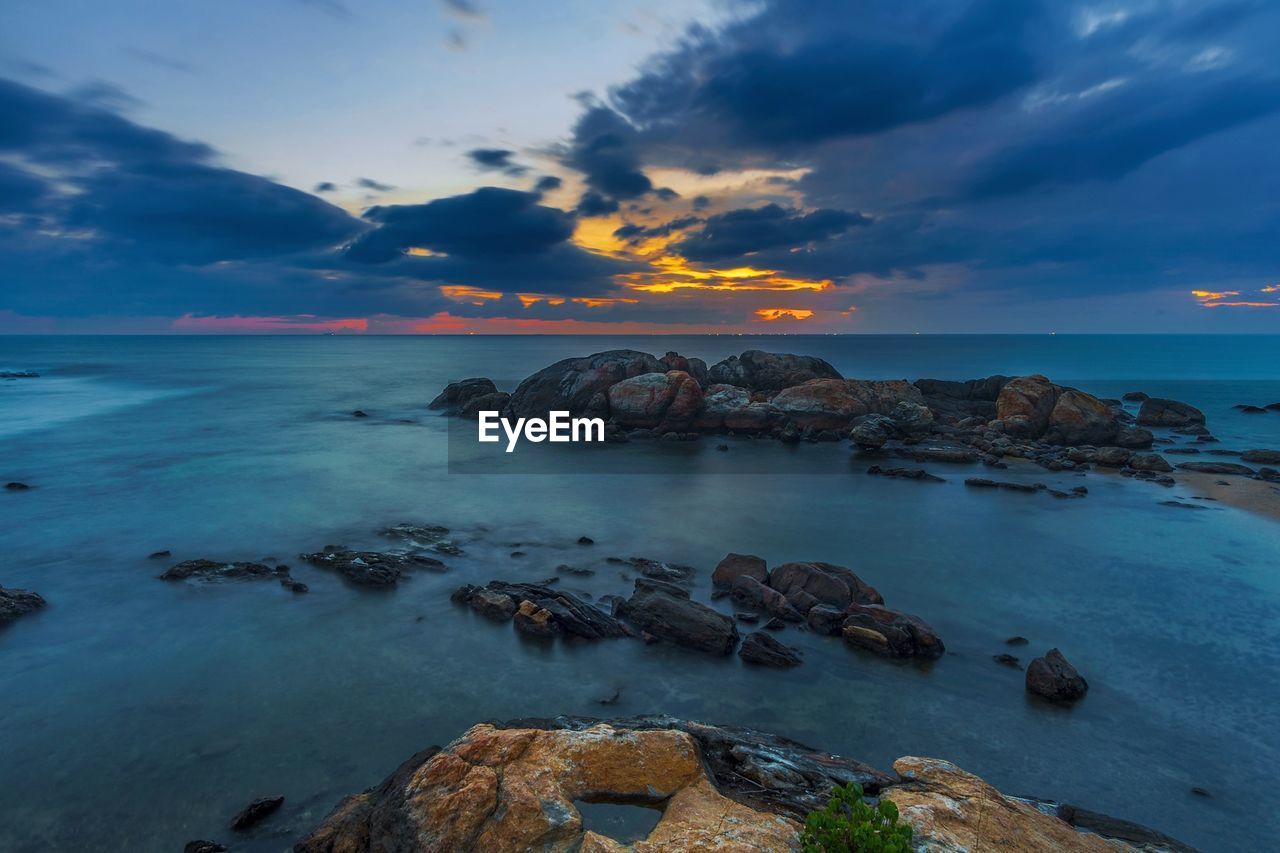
(593,203)
(740,232)
(547,183)
(633,233)
(497,160)
(603,149)
(488,221)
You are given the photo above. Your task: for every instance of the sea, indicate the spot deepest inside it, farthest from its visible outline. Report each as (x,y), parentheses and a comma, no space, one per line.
(139,714)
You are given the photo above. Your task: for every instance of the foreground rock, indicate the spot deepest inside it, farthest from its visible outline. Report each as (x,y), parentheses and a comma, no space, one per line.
(1032,407)
(19,602)
(469,397)
(888,632)
(541,611)
(1053,677)
(372,568)
(514,786)
(663,401)
(256,812)
(665,611)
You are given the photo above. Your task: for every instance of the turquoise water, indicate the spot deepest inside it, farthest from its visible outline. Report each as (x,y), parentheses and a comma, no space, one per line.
(140,714)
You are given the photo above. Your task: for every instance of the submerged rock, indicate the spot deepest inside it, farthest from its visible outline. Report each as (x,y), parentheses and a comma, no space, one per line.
(1261,457)
(1218,468)
(256,812)
(371,568)
(1053,677)
(906,474)
(665,611)
(550,612)
(16,487)
(18,374)
(19,602)
(762,649)
(204,847)
(216,570)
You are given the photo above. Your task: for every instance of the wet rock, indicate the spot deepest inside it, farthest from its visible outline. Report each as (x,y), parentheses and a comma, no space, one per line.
(565,568)
(18,374)
(1135,396)
(890,633)
(1249,409)
(735,565)
(19,602)
(203,847)
(1007,659)
(911,418)
(1149,462)
(872,431)
(1080,418)
(1053,677)
(371,568)
(762,649)
(256,812)
(721,403)
(1024,406)
(746,591)
(663,401)
(825,619)
(984,483)
(1017,641)
(658,570)
(431,536)
(294,586)
(159,555)
(767,371)
(16,487)
(665,611)
(940,453)
(586,540)
(570,615)
(536,621)
(1182,505)
(819,404)
(749,618)
(1113,457)
(1261,457)
(1134,438)
(359,413)
(824,582)
(957,401)
(905,474)
(775,624)
(457,394)
(1157,411)
(215,570)
(1218,468)
(578,385)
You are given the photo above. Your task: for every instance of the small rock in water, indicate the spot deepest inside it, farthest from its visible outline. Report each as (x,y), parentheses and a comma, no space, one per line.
(518,554)
(256,812)
(204,847)
(158,555)
(1007,659)
(723,448)
(358,414)
(293,585)
(612,699)
(18,374)
(1016,641)
(574,570)
(1053,677)
(1201,792)
(586,540)
(16,487)
(905,474)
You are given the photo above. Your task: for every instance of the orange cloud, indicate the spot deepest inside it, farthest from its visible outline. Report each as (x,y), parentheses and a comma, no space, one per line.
(673,273)
(603,301)
(295,323)
(771,314)
(1223,298)
(474,295)
(445,323)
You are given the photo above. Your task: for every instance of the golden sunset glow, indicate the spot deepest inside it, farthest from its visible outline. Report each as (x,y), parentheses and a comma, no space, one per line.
(771,314)
(673,273)
(465,293)
(418,252)
(1224,298)
(603,301)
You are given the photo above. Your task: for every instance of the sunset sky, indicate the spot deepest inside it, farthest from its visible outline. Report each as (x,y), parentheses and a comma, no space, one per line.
(454,166)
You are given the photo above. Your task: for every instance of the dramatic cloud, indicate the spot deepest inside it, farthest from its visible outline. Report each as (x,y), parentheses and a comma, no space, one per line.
(603,151)
(742,232)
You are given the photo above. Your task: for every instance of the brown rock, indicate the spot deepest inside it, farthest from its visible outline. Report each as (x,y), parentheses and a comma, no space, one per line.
(1157,411)
(890,633)
(1025,405)
(834,585)
(762,649)
(573,384)
(949,809)
(734,565)
(749,592)
(769,371)
(820,404)
(662,401)
(1053,677)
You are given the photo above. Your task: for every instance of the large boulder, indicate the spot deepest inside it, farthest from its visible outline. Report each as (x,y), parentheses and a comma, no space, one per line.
(730,407)
(1053,677)
(1025,404)
(695,367)
(890,633)
(746,591)
(957,401)
(819,404)
(885,396)
(769,371)
(734,566)
(1159,412)
(665,401)
(18,602)
(665,611)
(578,385)
(1080,418)
(824,583)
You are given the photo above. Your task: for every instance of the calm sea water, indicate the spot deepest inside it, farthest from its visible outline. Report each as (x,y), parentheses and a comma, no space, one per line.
(139,714)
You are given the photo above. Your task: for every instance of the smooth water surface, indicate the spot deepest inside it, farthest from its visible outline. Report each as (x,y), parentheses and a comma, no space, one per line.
(140,714)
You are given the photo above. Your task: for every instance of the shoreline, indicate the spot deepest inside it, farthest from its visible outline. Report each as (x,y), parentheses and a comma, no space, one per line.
(1257,497)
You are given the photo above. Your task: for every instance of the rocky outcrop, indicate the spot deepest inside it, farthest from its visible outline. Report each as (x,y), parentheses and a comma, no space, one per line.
(371,568)
(957,401)
(514,786)
(951,810)
(1053,677)
(832,404)
(890,633)
(769,371)
(1032,407)
(579,385)
(749,592)
(663,401)
(812,583)
(219,570)
(19,602)
(665,611)
(1261,457)
(467,395)
(763,650)
(256,812)
(541,611)
(1159,412)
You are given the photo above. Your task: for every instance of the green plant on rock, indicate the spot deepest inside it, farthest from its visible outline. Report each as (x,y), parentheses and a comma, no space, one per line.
(848,825)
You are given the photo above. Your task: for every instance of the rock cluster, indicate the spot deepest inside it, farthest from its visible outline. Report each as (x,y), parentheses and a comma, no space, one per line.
(541,611)
(18,602)
(371,568)
(515,786)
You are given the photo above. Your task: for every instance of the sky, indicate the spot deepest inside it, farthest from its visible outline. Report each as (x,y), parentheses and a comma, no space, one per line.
(683,166)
